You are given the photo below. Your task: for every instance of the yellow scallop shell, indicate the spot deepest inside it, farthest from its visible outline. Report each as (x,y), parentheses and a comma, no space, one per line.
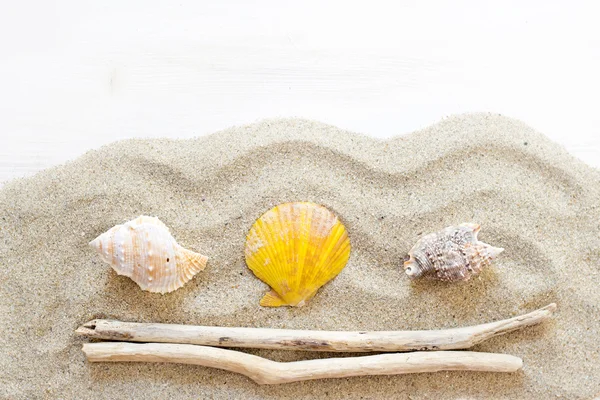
(296,248)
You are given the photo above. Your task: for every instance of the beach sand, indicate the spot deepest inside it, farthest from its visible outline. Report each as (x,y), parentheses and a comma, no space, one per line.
(528,194)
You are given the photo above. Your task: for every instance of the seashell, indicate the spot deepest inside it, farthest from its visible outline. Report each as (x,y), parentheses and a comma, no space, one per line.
(144,250)
(296,248)
(452,254)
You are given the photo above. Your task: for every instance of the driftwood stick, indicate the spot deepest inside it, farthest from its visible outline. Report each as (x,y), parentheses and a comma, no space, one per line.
(264,371)
(381,341)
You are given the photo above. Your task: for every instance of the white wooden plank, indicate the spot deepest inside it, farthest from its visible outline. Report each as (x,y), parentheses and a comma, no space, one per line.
(75,75)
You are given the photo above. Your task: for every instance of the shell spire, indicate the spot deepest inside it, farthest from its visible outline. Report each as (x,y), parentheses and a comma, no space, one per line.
(452,254)
(144,250)
(296,248)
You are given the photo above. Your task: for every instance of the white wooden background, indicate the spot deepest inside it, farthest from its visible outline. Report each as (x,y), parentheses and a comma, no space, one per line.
(78,74)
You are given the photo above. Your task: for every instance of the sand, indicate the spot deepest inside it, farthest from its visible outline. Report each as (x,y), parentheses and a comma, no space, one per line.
(529,195)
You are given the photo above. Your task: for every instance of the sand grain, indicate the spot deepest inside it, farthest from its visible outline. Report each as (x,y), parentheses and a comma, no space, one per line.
(528,194)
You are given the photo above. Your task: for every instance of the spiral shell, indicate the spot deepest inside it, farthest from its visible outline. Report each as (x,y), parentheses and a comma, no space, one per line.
(452,254)
(296,248)
(144,250)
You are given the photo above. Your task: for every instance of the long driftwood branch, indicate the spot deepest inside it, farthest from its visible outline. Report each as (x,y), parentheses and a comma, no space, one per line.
(381,341)
(264,371)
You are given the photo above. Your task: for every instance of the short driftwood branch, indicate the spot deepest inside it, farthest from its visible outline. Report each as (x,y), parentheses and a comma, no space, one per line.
(381,341)
(264,371)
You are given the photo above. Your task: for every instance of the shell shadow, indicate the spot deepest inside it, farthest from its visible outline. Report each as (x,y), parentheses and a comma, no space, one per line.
(474,290)
(521,256)
(125,300)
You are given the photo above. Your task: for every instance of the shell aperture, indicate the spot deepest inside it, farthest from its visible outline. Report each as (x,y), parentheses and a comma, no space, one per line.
(144,250)
(452,254)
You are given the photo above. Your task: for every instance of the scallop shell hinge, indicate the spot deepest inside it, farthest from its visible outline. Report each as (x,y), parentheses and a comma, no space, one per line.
(452,254)
(144,250)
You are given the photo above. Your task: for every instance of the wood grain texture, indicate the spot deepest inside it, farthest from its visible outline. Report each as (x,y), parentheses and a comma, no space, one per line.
(265,371)
(75,76)
(287,339)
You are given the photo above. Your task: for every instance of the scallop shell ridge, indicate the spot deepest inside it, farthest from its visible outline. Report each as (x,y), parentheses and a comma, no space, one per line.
(296,248)
(452,254)
(144,250)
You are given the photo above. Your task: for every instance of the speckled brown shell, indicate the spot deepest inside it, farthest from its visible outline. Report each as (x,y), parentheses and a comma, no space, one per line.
(452,254)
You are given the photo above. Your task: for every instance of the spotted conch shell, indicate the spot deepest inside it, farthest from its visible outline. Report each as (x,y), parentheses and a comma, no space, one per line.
(144,250)
(452,254)
(296,248)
